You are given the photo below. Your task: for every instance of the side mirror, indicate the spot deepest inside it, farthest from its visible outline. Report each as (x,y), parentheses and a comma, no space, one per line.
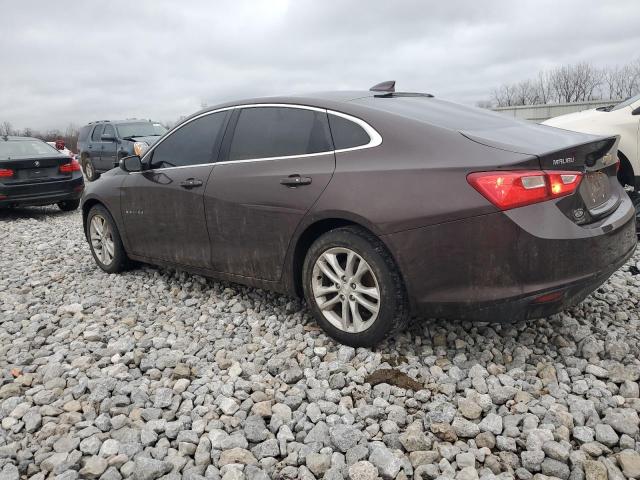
(107,138)
(636,111)
(131,164)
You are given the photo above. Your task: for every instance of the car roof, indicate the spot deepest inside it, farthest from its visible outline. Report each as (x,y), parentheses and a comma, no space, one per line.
(116,122)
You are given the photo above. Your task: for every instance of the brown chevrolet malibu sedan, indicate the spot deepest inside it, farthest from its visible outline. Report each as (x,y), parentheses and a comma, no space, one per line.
(374,205)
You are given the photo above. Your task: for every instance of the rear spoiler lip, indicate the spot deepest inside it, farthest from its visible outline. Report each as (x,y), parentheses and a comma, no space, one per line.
(612,149)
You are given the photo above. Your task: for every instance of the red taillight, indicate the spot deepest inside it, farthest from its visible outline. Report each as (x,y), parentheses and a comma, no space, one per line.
(512,189)
(72,166)
(6,173)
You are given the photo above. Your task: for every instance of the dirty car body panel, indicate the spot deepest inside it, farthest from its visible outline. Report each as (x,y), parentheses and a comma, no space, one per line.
(460,255)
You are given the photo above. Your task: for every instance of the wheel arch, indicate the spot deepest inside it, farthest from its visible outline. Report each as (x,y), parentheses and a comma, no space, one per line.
(310,233)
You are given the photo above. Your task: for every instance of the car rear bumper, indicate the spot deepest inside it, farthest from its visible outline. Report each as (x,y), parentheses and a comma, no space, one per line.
(497,267)
(44,193)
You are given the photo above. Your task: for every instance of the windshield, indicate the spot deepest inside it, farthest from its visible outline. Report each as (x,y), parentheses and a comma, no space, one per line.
(626,103)
(140,129)
(25,148)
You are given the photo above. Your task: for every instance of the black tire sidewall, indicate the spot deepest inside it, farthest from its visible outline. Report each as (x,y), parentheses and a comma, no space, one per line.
(68,205)
(120,257)
(391,291)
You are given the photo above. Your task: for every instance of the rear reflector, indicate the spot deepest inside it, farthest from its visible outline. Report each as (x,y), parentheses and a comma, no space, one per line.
(512,189)
(549,297)
(6,172)
(72,166)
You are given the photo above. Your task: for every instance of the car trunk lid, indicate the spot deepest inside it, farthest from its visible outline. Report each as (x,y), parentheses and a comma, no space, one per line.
(34,170)
(560,150)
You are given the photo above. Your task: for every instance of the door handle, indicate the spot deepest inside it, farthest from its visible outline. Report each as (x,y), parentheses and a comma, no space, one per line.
(191,183)
(295,181)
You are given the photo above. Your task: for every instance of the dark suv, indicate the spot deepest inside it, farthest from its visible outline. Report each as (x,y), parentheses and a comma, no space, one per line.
(102,144)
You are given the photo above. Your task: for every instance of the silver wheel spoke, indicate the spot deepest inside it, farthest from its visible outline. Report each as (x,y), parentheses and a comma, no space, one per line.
(332,260)
(372,307)
(357,321)
(351,263)
(109,246)
(326,269)
(369,291)
(322,291)
(345,315)
(328,304)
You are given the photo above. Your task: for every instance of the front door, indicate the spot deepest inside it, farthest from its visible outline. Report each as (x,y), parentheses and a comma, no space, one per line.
(274,166)
(162,206)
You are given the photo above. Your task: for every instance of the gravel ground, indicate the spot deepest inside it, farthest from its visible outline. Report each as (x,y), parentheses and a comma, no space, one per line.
(156,373)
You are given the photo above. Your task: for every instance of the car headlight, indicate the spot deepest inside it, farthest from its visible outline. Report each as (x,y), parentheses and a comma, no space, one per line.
(140,147)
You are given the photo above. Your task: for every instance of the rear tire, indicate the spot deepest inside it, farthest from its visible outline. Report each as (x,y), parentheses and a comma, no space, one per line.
(68,205)
(90,170)
(105,242)
(353,287)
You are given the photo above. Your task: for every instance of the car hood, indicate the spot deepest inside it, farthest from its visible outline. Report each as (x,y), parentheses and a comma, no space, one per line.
(528,138)
(147,140)
(570,119)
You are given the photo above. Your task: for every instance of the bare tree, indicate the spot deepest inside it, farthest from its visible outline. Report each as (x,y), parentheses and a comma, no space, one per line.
(571,83)
(6,128)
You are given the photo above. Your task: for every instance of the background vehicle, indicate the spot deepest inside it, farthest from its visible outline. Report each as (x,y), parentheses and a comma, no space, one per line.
(35,173)
(622,119)
(60,146)
(373,205)
(102,144)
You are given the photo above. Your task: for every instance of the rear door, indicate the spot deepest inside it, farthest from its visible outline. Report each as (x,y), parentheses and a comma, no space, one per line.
(162,206)
(277,160)
(109,148)
(95,146)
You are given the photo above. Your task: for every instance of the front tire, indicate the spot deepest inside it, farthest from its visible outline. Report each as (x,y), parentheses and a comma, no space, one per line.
(105,242)
(353,287)
(68,205)
(90,170)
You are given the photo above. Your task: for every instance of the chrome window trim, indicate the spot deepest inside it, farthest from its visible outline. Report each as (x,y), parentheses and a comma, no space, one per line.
(375,139)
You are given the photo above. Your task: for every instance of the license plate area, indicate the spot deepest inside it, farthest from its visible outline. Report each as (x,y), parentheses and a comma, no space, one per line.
(36,173)
(596,189)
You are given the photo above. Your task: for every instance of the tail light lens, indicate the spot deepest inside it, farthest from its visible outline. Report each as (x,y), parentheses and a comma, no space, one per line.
(514,189)
(72,166)
(6,173)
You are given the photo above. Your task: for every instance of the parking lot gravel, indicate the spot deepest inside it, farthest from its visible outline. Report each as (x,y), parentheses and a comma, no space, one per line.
(160,374)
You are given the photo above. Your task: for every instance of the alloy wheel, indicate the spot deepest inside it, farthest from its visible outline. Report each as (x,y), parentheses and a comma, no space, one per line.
(345,289)
(101,239)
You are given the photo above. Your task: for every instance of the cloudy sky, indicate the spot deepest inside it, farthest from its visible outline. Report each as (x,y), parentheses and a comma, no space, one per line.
(77,61)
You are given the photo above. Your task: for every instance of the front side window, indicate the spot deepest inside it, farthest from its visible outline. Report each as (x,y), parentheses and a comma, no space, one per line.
(265,132)
(97,133)
(108,130)
(347,134)
(192,144)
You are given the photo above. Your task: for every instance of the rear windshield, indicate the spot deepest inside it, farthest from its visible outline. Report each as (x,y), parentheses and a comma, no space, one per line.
(626,103)
(438,112)
(25,148)
(140,129)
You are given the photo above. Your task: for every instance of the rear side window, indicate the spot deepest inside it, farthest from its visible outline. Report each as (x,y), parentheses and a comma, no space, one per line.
(97,133)
(347,134)
(264,132)
(192,144)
